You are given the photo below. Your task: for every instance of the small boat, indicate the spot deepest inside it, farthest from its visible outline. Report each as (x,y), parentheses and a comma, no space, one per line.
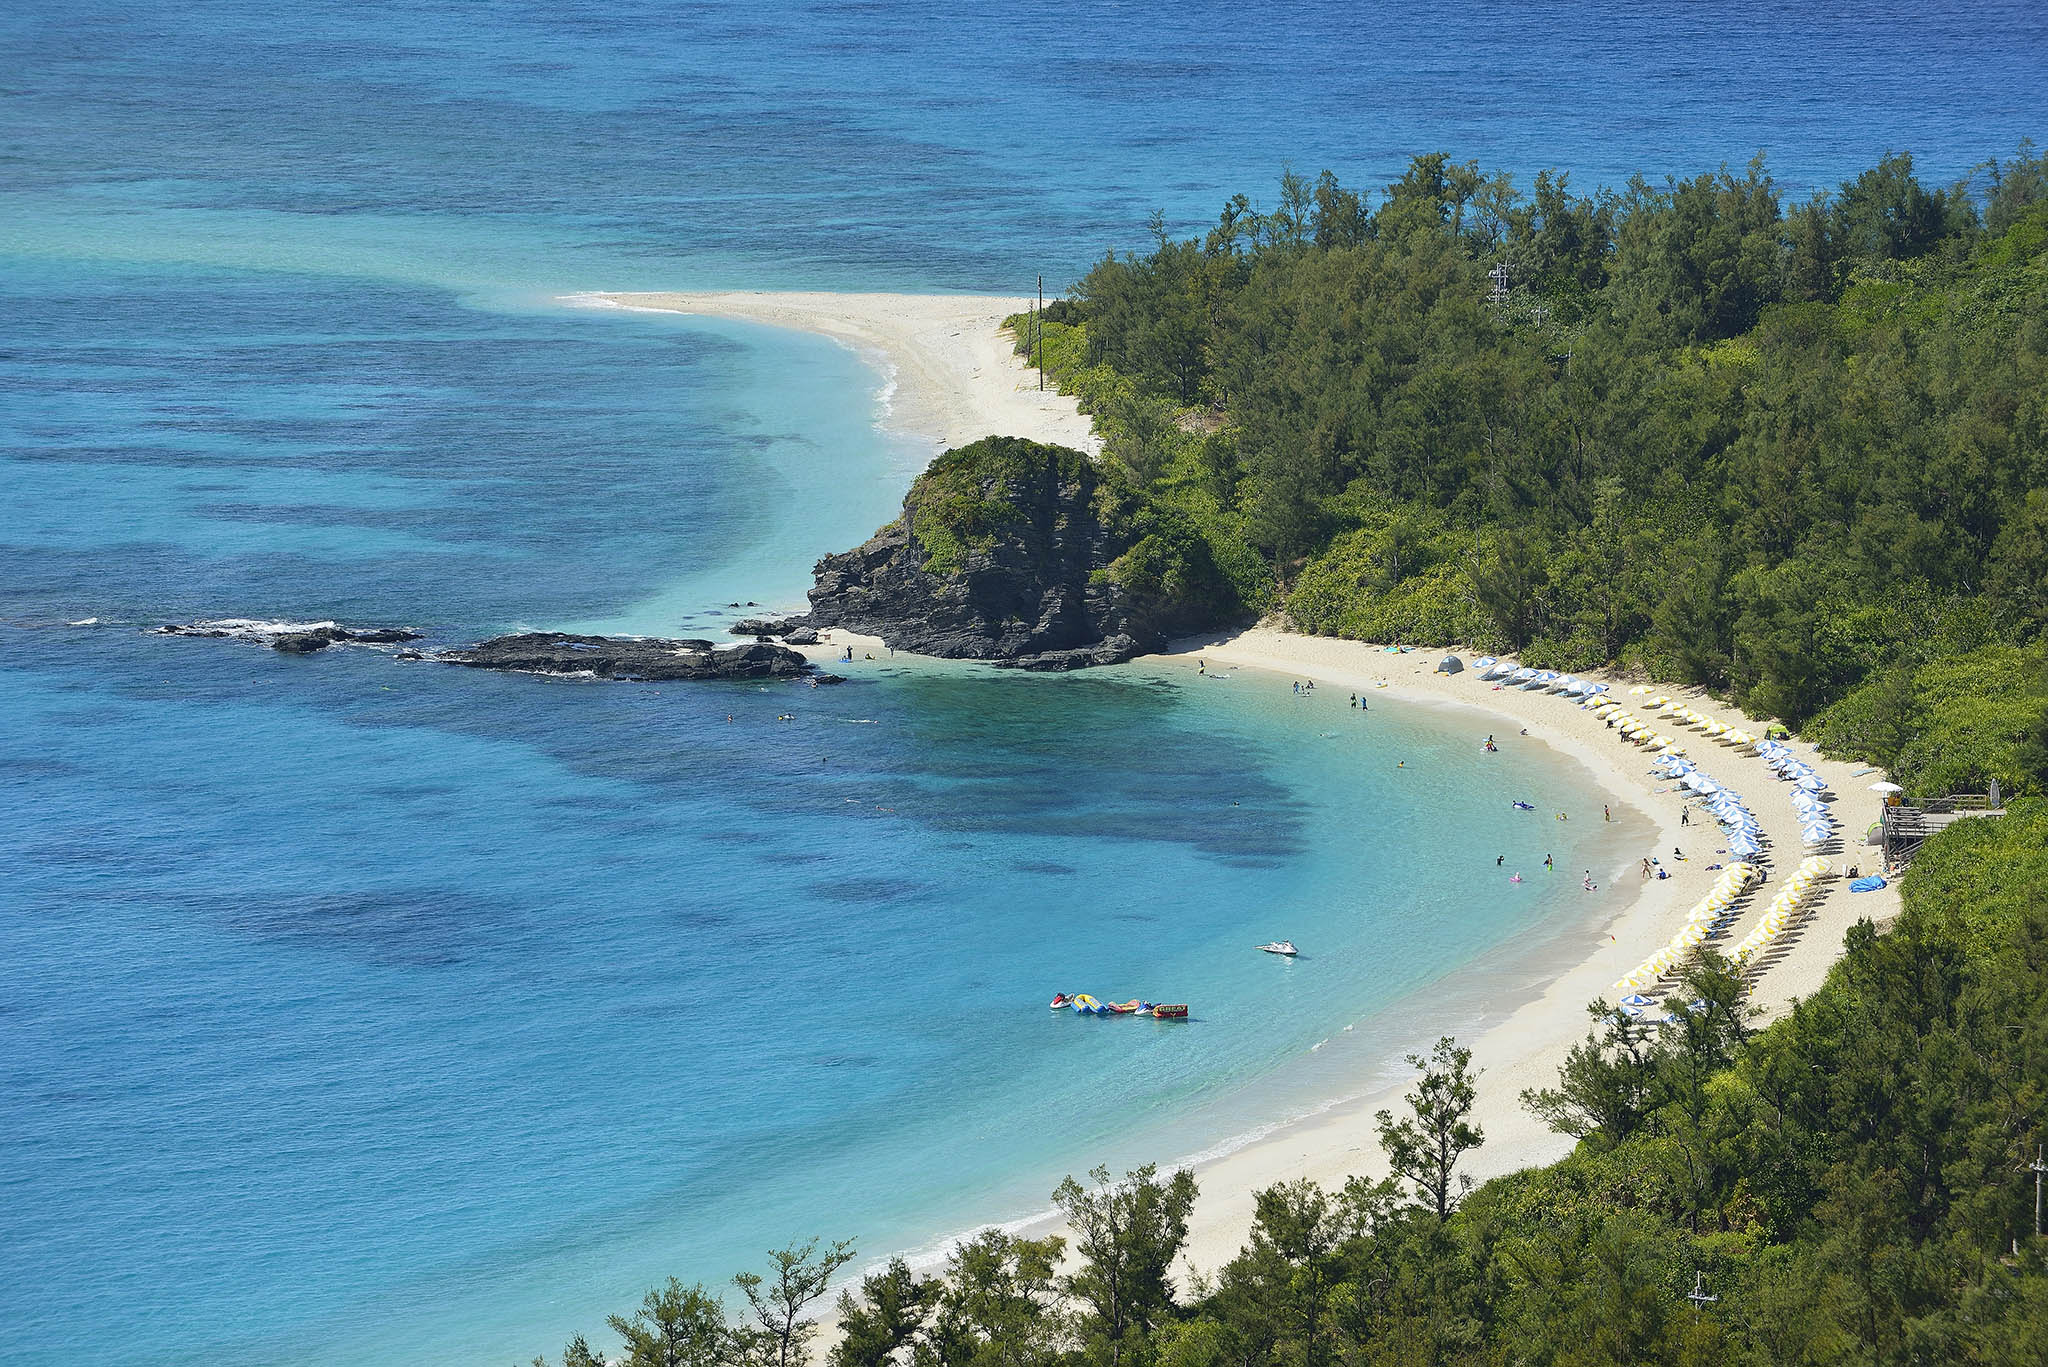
(1284,947)
(1124,1008)
(1176,1011)
(1086,1004)
(1061,1001)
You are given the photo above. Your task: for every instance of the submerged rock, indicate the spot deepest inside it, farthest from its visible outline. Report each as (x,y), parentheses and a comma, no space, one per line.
(765,626)
(554,652)
(288,637)
(1028,555)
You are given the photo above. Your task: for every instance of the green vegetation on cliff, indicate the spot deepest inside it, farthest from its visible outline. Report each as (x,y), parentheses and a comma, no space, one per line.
(1782,451)
(974,495)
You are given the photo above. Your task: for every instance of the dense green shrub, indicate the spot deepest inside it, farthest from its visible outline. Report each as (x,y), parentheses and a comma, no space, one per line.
(1774,452)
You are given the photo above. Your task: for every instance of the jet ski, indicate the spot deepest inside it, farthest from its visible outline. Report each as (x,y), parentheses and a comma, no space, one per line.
(1282,947)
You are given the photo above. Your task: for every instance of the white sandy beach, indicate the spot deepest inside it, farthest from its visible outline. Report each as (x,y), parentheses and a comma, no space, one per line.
(957,376)
(960,379)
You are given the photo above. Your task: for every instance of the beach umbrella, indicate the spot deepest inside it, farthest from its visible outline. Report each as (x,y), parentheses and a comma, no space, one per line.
(1637,999)
(1886,788)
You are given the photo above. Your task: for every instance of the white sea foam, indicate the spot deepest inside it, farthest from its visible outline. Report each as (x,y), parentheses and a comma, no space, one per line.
(885,397)
(84,622)
(255,628)
(590,299)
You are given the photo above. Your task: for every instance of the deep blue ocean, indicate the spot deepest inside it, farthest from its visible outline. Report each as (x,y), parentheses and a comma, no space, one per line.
(357,1011)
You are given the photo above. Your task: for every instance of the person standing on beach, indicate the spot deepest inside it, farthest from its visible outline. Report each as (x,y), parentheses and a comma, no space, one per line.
(1685,816)
(1606,812)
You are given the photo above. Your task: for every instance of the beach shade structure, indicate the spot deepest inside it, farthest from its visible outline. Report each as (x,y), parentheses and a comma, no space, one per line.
(1886,788)
(1636,999)
(1450,664)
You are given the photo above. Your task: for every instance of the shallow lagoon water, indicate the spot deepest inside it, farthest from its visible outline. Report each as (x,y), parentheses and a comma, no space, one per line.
(362,1011)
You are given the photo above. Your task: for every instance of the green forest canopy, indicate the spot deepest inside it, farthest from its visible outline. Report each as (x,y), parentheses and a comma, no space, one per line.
(1788,453)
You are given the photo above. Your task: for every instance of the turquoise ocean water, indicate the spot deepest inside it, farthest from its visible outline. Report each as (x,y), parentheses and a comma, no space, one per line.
(363,1012)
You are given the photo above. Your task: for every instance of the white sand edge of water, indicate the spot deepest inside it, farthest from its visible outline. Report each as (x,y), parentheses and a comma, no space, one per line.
(959,379)
(957,375)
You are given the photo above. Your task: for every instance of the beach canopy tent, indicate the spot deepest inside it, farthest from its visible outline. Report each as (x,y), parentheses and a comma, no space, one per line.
(1451,665)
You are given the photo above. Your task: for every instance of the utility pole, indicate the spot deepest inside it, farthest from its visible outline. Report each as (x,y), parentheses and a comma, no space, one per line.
(1698,1295)
(1041,333)
(1499,276)
(1031,328)
(2037,1167)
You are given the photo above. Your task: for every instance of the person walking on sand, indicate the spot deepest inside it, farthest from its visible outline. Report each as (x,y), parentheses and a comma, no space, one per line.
(1685,816)
(1606,812)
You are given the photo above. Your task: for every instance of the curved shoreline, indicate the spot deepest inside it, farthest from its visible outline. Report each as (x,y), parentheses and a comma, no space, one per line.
(960,379)
(957,375)
(1526,1048)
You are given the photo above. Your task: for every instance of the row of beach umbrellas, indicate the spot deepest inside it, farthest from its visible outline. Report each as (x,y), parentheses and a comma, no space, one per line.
(1536,680)
(1706,916)
(1642,721)
(1778,916)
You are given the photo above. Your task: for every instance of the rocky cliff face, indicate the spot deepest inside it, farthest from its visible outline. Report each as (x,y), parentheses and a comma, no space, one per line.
(1026,554)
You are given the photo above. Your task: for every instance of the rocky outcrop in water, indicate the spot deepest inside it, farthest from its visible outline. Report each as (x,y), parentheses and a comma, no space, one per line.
(289,638)
(765,626)
(607,657)
(1029,555)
